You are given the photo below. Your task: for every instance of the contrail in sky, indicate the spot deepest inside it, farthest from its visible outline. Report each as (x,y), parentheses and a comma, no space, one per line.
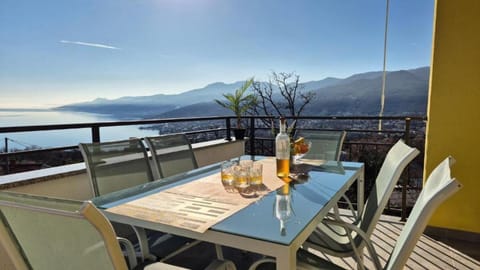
(90,44)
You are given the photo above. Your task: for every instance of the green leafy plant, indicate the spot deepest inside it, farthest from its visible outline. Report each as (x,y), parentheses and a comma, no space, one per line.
(239,102)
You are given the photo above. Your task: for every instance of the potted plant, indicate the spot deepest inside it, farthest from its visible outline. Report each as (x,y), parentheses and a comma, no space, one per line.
(239,103)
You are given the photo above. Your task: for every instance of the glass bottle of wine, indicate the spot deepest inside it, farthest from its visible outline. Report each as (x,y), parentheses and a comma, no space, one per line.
(282,151)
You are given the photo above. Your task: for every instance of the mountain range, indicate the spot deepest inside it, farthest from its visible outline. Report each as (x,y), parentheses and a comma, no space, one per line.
(406,94)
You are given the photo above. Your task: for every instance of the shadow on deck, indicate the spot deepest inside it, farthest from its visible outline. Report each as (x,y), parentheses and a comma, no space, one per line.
(429,253)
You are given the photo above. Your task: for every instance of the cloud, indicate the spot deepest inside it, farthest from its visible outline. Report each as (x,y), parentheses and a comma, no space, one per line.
(97,45)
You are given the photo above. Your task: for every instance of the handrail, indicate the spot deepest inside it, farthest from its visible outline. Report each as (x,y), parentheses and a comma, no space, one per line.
(189,119)
(107,124)
(95,127)
(253,127)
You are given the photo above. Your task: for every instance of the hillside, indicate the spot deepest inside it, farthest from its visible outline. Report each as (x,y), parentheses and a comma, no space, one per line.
(359,94)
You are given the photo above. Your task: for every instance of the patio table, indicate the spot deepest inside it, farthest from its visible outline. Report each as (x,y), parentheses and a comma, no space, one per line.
(263,226)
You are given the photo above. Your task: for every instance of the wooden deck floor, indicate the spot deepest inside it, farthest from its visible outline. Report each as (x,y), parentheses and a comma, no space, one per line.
(428,254)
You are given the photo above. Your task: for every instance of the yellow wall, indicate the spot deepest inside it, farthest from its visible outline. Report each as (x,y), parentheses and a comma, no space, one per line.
(454,109)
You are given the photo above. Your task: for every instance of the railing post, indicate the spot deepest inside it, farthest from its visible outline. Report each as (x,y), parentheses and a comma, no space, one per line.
(95,134)
(252,135)
(7,158)
(229,129)
(407,177)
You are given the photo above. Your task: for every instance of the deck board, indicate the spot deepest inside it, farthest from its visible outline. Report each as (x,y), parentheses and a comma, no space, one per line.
(428,254)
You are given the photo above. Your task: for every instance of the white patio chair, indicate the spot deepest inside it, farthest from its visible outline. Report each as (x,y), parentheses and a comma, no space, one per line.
(331,238)
(172,154)
(46,233)
(438,187)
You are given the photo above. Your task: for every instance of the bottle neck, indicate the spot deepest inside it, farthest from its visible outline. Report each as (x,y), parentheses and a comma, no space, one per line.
(283,230)
(283,126)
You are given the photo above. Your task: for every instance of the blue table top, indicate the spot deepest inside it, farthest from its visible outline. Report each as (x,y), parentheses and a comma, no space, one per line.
(277,217)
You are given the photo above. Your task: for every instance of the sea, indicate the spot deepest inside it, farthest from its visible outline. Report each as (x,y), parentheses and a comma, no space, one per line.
(58,138)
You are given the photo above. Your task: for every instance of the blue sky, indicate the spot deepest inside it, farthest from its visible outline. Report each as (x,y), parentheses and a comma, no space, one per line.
(54,52)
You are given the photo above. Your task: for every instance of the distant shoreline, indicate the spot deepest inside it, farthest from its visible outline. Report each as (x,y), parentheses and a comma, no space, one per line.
(24,110)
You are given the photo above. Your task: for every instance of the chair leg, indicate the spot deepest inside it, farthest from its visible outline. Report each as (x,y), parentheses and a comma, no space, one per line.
(357,251)
(221,265)
(359,258)
(143,244)
(219,251)
(129,251)
(336,212)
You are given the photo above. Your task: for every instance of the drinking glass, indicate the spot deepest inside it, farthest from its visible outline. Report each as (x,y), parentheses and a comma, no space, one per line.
(246,163)
(227,172)
(256,174)
(241,178)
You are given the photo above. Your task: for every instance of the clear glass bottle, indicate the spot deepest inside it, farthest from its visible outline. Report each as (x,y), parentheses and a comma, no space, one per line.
(282,151)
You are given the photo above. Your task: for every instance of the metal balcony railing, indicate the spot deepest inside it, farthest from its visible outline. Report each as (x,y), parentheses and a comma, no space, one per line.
(364,141)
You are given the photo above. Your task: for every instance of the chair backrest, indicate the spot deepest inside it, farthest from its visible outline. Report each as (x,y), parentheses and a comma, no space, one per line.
(59,234)
(326,145)
(438,187)
(172,154)
(116,165)
(14,259)
(398,157)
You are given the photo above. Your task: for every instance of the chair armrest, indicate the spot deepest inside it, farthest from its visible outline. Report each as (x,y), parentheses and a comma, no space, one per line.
(353,228)
(261,261)
(336,213)
(350,206)
(129,251)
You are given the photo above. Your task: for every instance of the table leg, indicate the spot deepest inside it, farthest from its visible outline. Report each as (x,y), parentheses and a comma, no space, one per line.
(360,190)
(219,251)
(287,259)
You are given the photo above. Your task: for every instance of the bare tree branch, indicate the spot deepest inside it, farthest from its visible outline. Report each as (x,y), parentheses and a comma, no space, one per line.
(283,95)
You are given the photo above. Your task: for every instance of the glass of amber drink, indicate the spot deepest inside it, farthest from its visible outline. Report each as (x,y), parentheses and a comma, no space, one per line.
(227,172)
(241,177)
(246,163)
(256,174)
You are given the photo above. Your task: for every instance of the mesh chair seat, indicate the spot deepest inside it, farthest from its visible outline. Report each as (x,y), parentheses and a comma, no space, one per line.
(172,154)
(116,165)
(326,145)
